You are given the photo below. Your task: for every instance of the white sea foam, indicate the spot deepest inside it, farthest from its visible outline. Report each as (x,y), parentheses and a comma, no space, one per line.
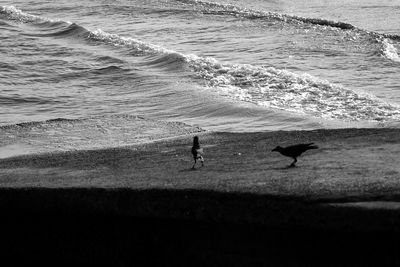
(389,50)
(139,46)
(16,14)
(280,89)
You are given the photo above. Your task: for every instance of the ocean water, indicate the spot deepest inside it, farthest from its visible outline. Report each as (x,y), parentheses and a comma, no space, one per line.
(222,65)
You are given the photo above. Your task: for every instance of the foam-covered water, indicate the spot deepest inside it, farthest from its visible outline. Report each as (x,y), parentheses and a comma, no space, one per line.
(221,65)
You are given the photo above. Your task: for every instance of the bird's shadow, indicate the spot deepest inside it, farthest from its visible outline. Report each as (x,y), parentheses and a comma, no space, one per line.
(189,170)
(285,167)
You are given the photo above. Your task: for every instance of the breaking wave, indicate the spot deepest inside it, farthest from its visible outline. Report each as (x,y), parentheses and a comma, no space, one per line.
(267,86)
(281,89)
(389,50)
(270,87)
(227,9)
(13,13)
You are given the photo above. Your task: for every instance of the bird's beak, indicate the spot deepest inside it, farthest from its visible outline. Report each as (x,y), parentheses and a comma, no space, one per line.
(273,150)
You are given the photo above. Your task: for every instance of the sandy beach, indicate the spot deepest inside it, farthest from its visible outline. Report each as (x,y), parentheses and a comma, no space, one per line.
(348,189)
(350,163)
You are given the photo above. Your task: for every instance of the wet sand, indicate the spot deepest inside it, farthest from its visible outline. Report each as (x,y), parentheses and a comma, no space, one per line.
(245,204)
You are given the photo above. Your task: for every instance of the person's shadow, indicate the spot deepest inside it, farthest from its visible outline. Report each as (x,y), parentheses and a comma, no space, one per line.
(189,170)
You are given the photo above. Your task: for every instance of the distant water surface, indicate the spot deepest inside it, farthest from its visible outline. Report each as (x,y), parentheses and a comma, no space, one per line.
(239,65)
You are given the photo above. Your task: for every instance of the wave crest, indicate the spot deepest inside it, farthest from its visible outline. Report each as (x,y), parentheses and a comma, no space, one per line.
(13,13)
(232,10)
(228,9)
(139,46)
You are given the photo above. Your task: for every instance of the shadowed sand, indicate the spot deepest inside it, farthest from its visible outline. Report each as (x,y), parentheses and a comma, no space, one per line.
(349,188)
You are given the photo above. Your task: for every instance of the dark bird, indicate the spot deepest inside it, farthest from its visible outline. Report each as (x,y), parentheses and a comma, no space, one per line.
(197,152)
(294,151)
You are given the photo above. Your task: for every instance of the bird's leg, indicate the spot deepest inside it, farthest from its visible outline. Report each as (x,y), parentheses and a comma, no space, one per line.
(194,164)
(293,163)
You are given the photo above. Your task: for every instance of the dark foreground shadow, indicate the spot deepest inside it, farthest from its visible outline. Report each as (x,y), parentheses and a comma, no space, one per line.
(125,227)
(60,240)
